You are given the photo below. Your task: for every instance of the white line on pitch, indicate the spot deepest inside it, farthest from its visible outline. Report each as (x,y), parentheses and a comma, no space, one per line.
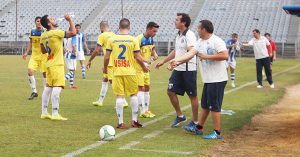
(162,151)
(97,144)
(153,134)
(129,145)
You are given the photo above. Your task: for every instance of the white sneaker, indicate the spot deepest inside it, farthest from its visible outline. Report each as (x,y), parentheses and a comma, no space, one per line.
(272,85)
(259,86)
(232,84)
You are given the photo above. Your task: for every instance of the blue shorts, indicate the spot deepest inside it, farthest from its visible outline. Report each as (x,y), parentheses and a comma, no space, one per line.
(183,81)
(212,96)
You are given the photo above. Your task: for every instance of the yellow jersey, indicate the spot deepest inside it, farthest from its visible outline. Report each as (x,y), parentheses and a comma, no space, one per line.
(102,41)
(53,43)
(146,46)
(122,49)
(35,36)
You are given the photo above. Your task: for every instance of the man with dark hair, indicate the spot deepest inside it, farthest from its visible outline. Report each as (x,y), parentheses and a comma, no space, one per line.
(52,43)
(272,53)
(149,55)
(125,51)
(107,78)
(37,59)
(184,77)
(80,41)
(233,47)
(213,54)
(260,44)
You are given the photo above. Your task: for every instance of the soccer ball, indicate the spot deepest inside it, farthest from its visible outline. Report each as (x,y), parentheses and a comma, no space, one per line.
(107,133)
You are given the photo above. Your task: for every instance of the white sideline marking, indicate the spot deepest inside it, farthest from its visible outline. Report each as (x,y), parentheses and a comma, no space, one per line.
(161,151)
(94,145)
(129,145)
(133,143)
(153,134)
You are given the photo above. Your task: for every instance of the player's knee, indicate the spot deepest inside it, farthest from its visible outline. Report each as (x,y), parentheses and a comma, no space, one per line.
(30,72)
(171,94)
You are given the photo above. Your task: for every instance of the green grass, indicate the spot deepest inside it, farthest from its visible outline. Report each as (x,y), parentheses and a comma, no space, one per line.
(23,133)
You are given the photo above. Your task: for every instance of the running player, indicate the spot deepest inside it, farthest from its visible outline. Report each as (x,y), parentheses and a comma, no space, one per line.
(52,43)
(102,43)
(37,59)
(149,55)
(233,47)
(70,58)
(124,50)
(80,41)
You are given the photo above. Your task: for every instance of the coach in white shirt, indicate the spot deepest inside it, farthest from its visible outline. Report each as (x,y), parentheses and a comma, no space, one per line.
(213,54)
(184,77)
(260,44)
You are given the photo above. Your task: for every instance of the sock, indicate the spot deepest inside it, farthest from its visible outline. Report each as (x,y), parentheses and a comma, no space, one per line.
(147,100)
(141,101)
(69,75)
(55,100)
(232,75)
(218,132)
(32,83)
(119,109)
(45,82)
(83,70)
(72,79)
(181,116)
(134,107)
(195,122)
(45,99)
(103,91)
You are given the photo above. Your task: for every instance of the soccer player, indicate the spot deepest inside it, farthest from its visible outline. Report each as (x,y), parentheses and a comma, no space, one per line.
(52,43)
(149,55)
(233,47)
(107,78)
(80,41)
(37,59)
(260,44)
(213,54)
(273,45)
(124,50)
(70,58)
(184,77)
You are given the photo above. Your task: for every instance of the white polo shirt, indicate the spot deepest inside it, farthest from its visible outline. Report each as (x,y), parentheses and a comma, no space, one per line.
(183,41)
(212,71)
(260,47)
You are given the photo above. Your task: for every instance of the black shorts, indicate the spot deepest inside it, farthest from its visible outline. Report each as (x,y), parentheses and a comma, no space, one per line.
(183,81)
(212,96)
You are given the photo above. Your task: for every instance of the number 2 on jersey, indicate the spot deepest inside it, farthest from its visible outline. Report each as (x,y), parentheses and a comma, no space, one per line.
(123,47)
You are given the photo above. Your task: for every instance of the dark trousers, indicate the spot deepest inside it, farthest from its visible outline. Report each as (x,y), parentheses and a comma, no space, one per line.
(260,63)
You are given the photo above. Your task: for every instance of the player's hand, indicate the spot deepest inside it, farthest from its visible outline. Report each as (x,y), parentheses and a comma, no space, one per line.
(173,64)
(146,69)
(68,17)
(88,51)
(274,58)
(202,56)
(24,55)
(159,64)
(88,65)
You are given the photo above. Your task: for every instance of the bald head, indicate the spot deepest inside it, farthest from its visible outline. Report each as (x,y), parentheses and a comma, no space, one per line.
(124,24)
(104,26)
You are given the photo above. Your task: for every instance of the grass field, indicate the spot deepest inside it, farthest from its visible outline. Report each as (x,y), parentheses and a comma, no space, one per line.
(23,133)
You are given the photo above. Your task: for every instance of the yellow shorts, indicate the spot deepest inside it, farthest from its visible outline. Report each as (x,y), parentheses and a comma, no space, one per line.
(55,76)
(125,85)
(143,78)
(109,74)
(37,64)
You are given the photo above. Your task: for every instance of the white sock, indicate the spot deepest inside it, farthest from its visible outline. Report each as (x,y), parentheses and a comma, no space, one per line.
(119,109)
(103,91)
(147,100)
(45,82)
(134,107)
(141,101)
(32,83)
(55,100)
(83,70)
(45,99)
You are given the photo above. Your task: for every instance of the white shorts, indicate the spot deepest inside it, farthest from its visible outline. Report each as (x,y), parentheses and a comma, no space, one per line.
(71,64)
(231,64)
(80,56)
